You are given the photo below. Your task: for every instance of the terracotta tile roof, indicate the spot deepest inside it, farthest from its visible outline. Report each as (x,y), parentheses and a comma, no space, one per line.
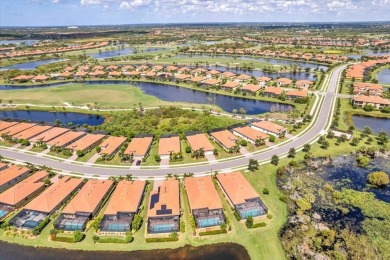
(50,134)
(197,79)
(265,79)
(65,138)
(40,77)
(16,129)
(23,189)
(250,133)
(211,82)
(214,72)
(227,74)
(89,197)
(139,146)
(236,187)
(168,145)
(150,74)
(114,73)
(85,142)
(251,88)
(225,137)
(365,85)
(230,84)
(202,193)
(54,195)
(23,77)
(297,93)
(31,132)
(284,81)
(168,195)
(4,124)
(11,173)
(243,77)
(303,82)
(269,126)
(126,197)
(182,76)
(111,144)
(198,141)
(371,99)
(65,74)
(81,73)
(273,90)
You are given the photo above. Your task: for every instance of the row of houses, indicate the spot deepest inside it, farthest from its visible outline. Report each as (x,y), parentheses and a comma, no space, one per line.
(201,77)
(139,146)
(357,71)
(125,199)
(315,57)
(86,46)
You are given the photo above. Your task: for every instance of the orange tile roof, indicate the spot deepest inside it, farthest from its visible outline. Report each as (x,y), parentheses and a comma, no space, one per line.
(365,85)
(182,76)
(297,93)
(198,141)
(231,84)
(111,144)
(197,79)
(251,88)
(236,187)
(85,142)
(54,195)
(126,197)
(225,137)
(4,124)
(23,189)
(31,132)
(11,173)
(263,78)
(167,194)
(139,146)
(168,145)
(212,82)
(285,81)
(50,134)
(243,77)
(16,129)
(65,138)
(89,197)
(269,126)
(214,72)
(202,193)
(227,74)
(250,133)
(40,77)
(371,99)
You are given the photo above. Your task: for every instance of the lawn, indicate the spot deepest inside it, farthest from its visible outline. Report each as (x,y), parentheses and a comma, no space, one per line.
(86,156)
(187,156)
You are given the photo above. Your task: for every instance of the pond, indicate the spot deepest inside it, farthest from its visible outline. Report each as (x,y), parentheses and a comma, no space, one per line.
(112,53)
(272,61)
(383,76)
(368,53)
(179,94)
(51,117)
(19,42)
(218,251)
(375,123)
(30,65)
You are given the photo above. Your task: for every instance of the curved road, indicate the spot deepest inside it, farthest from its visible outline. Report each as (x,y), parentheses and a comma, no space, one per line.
(318,126)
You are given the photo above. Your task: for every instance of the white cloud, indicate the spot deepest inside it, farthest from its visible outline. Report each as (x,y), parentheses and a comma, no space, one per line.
(89,2)
(55,1)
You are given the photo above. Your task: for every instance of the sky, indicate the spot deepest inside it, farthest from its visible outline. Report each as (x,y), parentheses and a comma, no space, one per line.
(107,12)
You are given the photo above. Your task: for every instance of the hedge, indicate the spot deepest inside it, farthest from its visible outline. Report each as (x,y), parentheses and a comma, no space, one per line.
(38,229)
(261,224)
(212,232)
(113,240)
(235,213)
(64,239)
(161,239)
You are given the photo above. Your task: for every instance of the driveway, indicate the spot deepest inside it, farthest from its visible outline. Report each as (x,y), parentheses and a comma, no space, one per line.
(211,158)
(164,162)
(93,158)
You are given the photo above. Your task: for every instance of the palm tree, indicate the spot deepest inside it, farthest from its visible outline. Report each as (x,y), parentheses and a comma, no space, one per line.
(259,142)
(242,112)
(234,112)
(169,175)
(129,177)
(10,102)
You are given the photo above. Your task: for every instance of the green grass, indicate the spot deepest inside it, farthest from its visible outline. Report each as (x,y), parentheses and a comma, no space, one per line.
(59,155)
(187,156)
(150,161)
(86,156)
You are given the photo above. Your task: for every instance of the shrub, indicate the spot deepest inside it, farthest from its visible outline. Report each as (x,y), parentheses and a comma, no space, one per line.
(137,222)
(236,215)
(157,158)
(261,224)
(249,222)
(215,152)
(212,232)
(78,236)
(378,179)
(38,229)
(272,138)
(269,216)
(363,161)
(188,149)
(160,239)
(64,239)
(95,238)
(283,198)
(243,143)
(266,191)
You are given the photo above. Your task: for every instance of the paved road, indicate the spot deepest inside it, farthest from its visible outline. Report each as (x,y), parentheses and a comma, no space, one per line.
(319,125)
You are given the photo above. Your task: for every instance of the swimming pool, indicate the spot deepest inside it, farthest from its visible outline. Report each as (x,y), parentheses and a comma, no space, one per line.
(3,213)
(209,222)
(118,227)
(250,213)
(162,228)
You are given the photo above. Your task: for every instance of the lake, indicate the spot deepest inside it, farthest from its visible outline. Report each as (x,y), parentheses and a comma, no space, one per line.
(19,42)
(211,252)
(30,65)
(179,94)
(266,60)
(375,123)
(51,117)
(383,76)
(122,52)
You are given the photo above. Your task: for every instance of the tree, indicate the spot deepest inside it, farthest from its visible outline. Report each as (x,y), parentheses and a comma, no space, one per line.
(128,177)
(272,138)
(234,112)
(95,238)
(378,179)
(325,145)
(266,191)
(355,141)
(53,233)
(306,148)
(367,130)
(383,137)
(363,161)
(253,165)
(98,149)
(242,112)
(275,159)
(249,222)
(137,222)
(259,142)
(291,153)
(78,236)
(188,149)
